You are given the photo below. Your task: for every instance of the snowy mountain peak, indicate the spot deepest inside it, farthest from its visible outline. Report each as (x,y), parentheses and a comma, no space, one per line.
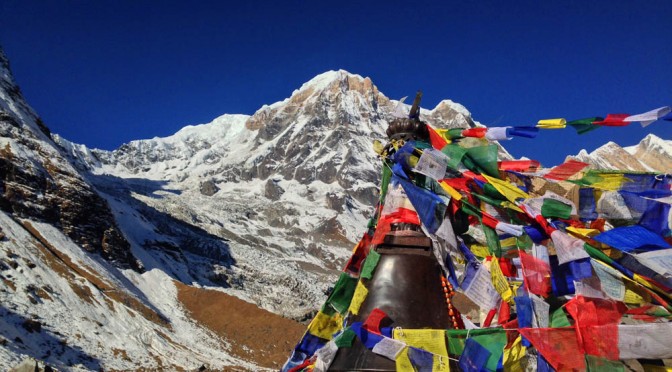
(329,78)
(651,154)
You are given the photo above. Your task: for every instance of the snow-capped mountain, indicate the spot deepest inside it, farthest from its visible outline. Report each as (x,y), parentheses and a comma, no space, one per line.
(170,252)
(290,188)
(651,154)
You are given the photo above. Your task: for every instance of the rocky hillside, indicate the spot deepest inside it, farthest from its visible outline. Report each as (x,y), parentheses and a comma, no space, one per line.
(74,295)
(37,182)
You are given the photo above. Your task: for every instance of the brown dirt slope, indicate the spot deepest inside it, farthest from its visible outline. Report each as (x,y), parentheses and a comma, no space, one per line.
(255,334)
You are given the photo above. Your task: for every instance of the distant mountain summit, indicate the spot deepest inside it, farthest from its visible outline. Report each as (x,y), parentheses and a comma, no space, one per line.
(651,154)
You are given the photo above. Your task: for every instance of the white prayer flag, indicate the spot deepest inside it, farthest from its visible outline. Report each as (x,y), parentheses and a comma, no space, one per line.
(399,109)
(497,134)
(646,341)
(325,356)
(649,117)
(568,247)
(432,163)
(610,280)
(481,290)
(389,348)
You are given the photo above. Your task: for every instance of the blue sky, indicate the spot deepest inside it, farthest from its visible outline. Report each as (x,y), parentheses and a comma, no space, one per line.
(106,72)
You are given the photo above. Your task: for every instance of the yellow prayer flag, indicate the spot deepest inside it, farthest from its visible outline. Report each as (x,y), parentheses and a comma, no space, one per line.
(499,281)
(632,298)
(552,123)
(509,190)
(610,182)
(324,326)
(451,191)
(588,233)
(478,250)
(514,356)
(432,340)
(358,298)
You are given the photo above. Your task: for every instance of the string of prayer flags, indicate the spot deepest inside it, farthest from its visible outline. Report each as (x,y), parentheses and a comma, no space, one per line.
(649,117)
(564,268)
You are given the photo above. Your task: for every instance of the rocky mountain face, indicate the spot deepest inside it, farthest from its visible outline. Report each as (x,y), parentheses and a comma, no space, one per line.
(651,154)
(37,182)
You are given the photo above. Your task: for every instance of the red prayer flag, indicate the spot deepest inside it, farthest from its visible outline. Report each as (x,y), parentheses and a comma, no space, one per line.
(475,132)
(401,215)
(601,340)
(372,323)
(597,324)
(536,275)
(558,346)
(518,165)
(361,251)
(435,139)
(565,170)
(504,313)
(614,120)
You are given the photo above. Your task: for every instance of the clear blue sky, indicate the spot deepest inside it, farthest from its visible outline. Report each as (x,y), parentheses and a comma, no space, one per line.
(106,72)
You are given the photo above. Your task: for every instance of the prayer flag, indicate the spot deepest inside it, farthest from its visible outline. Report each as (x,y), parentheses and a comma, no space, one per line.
(646,341)
(565,170)
(632,238)
(536,275)
(430,207)
(324,326)
(559,346)
(474,357)
(568,248)
(585,125)
(497,134)
(649,116)
(437,141)
(525,132)
(552,123)
(614,120)
(475,132)
(342,294)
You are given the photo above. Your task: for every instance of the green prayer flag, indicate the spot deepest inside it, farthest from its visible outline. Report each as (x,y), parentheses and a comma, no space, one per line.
(559,319)
(555,208)
(342,294)
(455,155)
(387,175)
(345,339)
(454,133)
(370,264)
(485,159)
(493,241)
(524,242)
(584,125)
(492,339)
(597,364)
